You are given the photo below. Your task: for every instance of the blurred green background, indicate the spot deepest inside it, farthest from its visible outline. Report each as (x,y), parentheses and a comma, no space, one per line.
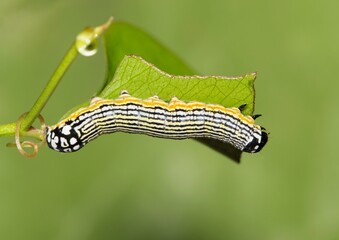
(135,187)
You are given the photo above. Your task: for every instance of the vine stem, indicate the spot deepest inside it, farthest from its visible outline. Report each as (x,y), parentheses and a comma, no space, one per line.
(86,44)
(50,87)
(9,129)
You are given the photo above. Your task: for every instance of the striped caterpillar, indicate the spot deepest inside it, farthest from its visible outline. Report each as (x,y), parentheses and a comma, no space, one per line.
(154,117)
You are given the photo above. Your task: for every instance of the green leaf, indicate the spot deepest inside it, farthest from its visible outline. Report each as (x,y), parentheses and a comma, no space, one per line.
(143,78)
(122,39)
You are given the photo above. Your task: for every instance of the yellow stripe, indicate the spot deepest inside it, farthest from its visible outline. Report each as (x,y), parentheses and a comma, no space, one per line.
(171,106)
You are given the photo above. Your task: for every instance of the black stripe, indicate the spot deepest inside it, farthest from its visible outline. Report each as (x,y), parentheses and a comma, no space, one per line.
(239,124)
(182,133)
(166,129)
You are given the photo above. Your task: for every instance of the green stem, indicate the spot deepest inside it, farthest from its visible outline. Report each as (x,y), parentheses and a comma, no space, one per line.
(9,129)
(50,87)
(86,44)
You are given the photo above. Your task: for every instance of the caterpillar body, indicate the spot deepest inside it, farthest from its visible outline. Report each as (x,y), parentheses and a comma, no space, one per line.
(154,117)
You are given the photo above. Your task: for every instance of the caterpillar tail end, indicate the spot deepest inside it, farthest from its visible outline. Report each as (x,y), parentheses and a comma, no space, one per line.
(257,144)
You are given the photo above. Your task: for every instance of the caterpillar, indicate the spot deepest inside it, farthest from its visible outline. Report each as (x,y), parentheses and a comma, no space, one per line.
(157,118)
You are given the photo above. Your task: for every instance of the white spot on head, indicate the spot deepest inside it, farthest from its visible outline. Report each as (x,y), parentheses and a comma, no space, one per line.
(53,144)
(73,141)
(76,147)
(64,142)
(48,137)
(66,130)
(56,139)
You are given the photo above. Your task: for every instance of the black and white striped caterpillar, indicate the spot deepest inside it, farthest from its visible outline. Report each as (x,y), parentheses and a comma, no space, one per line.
(154,117)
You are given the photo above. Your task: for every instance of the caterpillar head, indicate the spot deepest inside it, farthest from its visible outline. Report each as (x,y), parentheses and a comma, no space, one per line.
(63,139)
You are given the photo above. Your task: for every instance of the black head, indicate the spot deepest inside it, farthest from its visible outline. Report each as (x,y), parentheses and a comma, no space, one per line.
(63,139)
